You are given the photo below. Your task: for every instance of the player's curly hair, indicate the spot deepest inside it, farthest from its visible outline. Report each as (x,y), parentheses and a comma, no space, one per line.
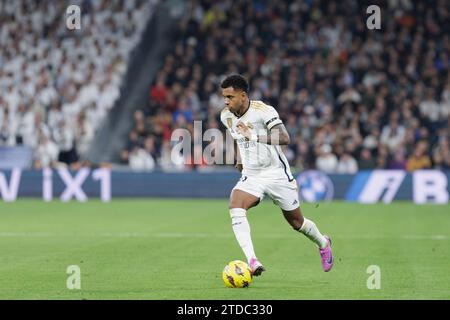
(236,81)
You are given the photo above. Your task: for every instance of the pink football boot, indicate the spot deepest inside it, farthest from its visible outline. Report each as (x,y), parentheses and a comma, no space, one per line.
(256,266)
(327,256)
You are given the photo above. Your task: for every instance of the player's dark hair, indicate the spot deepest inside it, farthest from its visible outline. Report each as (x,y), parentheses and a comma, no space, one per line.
(235,81)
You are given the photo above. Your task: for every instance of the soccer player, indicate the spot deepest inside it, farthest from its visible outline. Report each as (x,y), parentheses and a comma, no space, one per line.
(259,132)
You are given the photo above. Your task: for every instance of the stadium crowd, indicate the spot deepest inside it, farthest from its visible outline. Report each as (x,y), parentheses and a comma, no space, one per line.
(351,98)
(58,84)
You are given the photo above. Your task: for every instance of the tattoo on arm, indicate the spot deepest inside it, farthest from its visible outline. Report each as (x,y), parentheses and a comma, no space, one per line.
(278,136)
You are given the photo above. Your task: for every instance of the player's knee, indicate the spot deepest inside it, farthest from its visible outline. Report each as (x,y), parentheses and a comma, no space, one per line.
(236,213)
(241,199)
(234,205)
(237,204)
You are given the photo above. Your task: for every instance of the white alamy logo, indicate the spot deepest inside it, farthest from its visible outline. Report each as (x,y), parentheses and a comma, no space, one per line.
(374,280)
(73,20)
(74,280)
(374,20)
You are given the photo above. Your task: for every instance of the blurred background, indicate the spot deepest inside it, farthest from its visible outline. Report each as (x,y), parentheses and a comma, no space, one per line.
(112,93)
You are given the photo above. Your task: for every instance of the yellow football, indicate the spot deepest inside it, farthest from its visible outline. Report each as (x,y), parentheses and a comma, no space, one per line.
(237,274)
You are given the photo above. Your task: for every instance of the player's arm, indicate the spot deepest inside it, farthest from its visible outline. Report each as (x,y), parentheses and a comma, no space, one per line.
(278,135)
(237,157)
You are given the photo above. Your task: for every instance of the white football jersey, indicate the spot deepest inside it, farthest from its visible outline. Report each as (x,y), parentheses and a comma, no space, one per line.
(258,158)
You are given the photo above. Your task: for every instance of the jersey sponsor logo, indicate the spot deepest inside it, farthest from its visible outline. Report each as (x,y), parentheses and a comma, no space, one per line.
(245,143)
(315,186)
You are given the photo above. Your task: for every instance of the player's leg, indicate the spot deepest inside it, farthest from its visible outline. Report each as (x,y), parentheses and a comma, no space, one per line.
(242,199)
(310,230)
(285,195)
(305,226)
(240,202)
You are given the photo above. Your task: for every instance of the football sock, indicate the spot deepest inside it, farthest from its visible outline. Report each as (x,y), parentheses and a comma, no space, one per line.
(241,230)
(310,230)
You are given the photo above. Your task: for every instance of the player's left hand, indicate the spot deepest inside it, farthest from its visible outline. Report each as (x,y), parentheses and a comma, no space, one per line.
(244,130)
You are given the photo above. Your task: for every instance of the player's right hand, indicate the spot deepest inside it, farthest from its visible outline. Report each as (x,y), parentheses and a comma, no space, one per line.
(242,129)
(238,166)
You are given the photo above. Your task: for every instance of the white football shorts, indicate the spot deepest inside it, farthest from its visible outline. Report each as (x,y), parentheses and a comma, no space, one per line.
(283,192)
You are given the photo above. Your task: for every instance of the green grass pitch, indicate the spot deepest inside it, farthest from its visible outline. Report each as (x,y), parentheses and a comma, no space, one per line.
(176,249)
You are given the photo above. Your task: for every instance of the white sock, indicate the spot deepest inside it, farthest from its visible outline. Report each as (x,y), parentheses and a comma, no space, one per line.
(310,230)
(241,230)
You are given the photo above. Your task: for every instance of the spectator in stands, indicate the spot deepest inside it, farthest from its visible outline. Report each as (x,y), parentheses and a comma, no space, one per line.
(326,160)
(141,160)
(392,135)
(49,73)
(84,133)
(158,92)
(171,160)
(303,154)
(441,154)
(46,154)
(333,83)
(419,159)
(366,161)
(429,107)
(65,139)
(347,164)
(7,138)
(397,160)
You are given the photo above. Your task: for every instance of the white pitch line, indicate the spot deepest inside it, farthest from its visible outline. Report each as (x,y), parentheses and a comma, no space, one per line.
(205,235)
(26,234)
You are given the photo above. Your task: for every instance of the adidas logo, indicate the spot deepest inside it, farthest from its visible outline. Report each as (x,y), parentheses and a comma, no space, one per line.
(295,202)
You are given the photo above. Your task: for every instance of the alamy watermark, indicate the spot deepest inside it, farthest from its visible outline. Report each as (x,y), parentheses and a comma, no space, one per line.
(214,147)
(73,17)
(73,282)
(374,280)
(374,20)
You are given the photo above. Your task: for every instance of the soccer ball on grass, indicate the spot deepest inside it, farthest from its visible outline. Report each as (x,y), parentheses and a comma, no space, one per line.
(237,274)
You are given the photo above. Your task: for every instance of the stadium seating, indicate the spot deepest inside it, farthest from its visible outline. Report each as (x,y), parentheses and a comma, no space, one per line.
(351,97)
(58,84)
